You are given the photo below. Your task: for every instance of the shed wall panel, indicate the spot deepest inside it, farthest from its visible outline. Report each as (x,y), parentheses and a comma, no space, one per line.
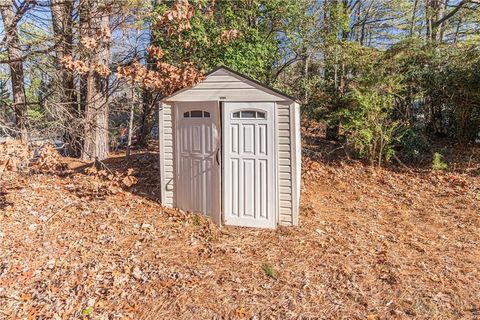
(166,136)
(284,170)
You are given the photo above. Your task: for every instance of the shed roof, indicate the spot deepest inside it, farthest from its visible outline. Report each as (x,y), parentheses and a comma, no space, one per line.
(226,84)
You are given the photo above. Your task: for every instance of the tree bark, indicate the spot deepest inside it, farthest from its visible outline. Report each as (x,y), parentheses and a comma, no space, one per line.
(130,124)
(145,119)
(14,52)
(436,16)
(414,15)
(62,22)
(96,138)
(147,100)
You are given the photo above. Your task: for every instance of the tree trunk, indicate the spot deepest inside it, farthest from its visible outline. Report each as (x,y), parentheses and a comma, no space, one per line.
(96,138)
(130,124)
(62,22)
(306,67)
(437,17)
(440,26)
(14,52)
(414,15)
(145,119)
(147,100)
(430,14)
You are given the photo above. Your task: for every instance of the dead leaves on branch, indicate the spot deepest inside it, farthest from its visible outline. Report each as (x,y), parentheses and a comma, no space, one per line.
(155,52)
(167,78)
(177,18)
(83,68)
(228,36)
(91,44)
(102,36)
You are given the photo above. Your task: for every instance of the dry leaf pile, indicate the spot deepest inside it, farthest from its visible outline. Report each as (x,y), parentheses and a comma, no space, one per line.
(49,161)
(372,243)
(14,156)
(102,183)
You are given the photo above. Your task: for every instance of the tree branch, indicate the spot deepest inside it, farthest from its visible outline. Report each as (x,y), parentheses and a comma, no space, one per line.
(452,13)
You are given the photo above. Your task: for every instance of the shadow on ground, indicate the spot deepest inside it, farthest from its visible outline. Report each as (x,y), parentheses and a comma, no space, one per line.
(144,165)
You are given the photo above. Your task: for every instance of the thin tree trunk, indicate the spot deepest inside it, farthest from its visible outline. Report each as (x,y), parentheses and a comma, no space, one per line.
(457,30)
(440,27)
(305,74)
(145,119)
(14,52)
(130,124)
(414,14)
(430,10)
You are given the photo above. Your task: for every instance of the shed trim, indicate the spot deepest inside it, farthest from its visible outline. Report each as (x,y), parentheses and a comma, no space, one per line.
(162,153)
(242,77)
(294,132)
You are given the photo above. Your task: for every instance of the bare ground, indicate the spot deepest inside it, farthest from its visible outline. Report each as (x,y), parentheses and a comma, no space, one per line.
(372,243)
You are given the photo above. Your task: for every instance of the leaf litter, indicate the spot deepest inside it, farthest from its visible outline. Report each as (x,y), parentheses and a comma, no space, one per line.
(372,243)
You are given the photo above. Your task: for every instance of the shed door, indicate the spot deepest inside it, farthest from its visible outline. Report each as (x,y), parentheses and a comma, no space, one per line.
(198,163)
(249,163)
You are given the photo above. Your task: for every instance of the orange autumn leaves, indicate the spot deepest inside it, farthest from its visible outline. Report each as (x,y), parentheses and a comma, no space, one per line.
(177,19)
(166,78)
(228,36)
(83,68)
(90,44)
(162,77)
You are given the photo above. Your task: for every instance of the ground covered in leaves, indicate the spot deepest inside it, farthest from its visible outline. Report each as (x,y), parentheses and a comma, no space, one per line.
(372,243)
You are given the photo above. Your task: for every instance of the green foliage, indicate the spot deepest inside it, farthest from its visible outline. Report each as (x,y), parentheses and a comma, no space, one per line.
(35,113)
(441,83)
(269,272)
(254,52)
(87,311)
(396,98)
(197,220)
(438,163)
(369,128)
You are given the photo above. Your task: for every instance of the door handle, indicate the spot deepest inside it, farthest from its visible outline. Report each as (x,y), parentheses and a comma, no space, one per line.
(216,156)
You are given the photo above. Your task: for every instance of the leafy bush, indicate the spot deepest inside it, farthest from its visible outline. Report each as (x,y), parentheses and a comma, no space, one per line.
(370,130)
(438,163)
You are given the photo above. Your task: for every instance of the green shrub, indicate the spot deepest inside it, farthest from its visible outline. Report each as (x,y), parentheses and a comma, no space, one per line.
(438,163)
(269,272)
(370,129)
(197,220)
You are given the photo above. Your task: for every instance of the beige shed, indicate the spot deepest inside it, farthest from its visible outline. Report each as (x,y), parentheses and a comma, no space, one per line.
(230,149)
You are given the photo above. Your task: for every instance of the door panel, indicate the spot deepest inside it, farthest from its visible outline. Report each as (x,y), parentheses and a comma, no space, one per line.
(249,163)
(198,169)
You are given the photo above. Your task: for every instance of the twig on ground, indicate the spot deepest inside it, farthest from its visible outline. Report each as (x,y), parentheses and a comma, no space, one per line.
(59,210)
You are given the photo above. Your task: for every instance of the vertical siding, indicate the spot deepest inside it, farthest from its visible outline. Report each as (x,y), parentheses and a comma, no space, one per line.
(284,155)
(167,150)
